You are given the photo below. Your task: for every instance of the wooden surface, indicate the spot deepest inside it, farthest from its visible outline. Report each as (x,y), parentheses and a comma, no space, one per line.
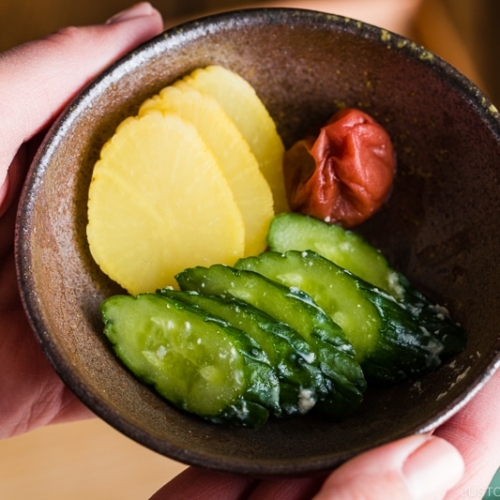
(89,459)
(86,460)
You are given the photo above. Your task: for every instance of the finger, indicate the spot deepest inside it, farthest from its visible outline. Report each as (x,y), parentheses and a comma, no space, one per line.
(475,432)
(200,484)
(288,488)
(416,468)
(31,394)
(9,209)
(39,78)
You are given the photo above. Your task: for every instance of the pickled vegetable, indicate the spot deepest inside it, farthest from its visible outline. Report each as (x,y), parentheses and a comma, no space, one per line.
(185,189)
(152,211)
(352,252)
(295,308)
(245,108)
(301,381)
(231,152)
(347,249)
(196,361)
(390,344)
(345,173)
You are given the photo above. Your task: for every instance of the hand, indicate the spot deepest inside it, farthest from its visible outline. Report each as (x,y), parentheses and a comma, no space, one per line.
(415,468)
(37,80)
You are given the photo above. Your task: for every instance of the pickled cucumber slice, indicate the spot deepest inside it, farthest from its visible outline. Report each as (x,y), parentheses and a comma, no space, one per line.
(351,251)
(198,362)
(347,249)
(295,308)
(231,151)
(330,287)
(244,107)
(390,344)
(301,380)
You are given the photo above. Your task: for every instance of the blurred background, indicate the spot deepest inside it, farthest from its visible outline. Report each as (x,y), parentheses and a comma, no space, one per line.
(462,31)
(89,459)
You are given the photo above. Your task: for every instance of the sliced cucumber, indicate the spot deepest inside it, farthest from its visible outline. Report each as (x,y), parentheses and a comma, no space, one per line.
(301,380)
(196,361)
(295,308)
(333,289)
(351,251)
(390,344)
(293,231)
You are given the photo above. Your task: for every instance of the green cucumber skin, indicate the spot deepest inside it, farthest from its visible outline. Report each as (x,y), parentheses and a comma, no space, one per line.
(434,318)
(137,325)
(295,308)
(330,286)
(399,348)
(301,382)
(407,349)
(292,231)
(290,305)
(347,249)
(243,315)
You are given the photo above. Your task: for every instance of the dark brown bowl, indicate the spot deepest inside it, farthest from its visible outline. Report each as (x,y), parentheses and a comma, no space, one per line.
(440,226)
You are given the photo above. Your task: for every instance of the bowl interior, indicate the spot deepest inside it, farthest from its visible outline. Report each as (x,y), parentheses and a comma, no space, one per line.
(439,226)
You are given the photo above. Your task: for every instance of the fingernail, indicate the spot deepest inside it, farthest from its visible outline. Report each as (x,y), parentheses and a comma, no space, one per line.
(137,10)
(433,469)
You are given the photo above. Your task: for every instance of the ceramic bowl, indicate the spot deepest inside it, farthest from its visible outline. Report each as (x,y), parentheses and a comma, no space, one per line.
(439,226)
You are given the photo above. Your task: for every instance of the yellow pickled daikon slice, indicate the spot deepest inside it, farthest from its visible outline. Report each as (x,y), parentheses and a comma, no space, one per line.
(159,203)
(242,104)
(250,189)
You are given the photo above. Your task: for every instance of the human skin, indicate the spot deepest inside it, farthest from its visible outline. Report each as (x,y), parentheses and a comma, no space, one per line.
(37,80)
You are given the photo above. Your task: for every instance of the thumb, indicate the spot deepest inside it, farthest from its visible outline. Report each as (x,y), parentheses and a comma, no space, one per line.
(421,467)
